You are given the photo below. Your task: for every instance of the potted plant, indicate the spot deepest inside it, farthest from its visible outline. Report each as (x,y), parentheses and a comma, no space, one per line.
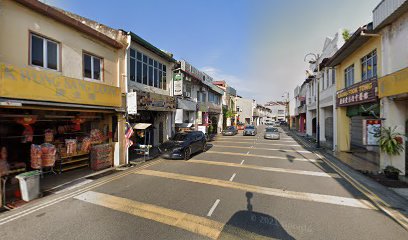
(391,143)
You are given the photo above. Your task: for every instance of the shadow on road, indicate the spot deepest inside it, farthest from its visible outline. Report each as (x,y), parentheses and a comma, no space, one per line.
(250,224)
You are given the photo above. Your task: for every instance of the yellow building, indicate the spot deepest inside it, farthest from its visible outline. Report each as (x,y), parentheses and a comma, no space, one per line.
(60,83)
(358,66)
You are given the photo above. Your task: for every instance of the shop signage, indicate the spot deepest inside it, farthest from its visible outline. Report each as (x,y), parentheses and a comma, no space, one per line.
(131,103)
(362,92)
(155,102)
(31,84)
(187,105)
(371,128)
(199,117)
(178,84)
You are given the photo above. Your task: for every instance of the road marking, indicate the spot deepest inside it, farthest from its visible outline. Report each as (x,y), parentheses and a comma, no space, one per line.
(214,206)
(247,152)
(74,186)
(263,143)
(304,196)
(249,140)
(242,162)
(51,202)
(271,169)
(378,202)
(268,149)
(264,156)
(189,222)
(232,177)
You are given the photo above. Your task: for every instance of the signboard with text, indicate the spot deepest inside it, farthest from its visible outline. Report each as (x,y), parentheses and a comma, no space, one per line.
(178,84)
(371,129)
(131,103)
(32,84)
(362,92)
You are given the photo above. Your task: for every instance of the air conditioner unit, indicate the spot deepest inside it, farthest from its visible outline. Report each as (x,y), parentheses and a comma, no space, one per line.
(202,89)
(187,94)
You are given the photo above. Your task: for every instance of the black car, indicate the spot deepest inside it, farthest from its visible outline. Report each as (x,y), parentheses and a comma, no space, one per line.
(230,131)
(182,145)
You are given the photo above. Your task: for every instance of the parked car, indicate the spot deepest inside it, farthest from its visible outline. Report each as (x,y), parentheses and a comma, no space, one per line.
(182,145)
(240,126)
(230,131)
(272,133)
(250,130)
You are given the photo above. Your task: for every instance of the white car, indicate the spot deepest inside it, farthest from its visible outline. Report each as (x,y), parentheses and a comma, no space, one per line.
(272,133)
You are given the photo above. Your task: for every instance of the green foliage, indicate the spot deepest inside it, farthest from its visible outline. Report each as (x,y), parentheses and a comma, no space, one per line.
(227,113)
(390,141)
(346,34)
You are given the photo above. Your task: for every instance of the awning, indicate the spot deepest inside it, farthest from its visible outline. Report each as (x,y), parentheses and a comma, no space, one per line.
(141,126)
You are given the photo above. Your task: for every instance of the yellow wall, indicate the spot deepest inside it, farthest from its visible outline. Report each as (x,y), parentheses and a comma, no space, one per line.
(16,21)
(343,122)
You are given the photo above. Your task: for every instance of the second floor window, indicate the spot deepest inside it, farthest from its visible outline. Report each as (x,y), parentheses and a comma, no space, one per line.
(44,52)
(369,66)
(92,67)
(146,70)
(333,76)
(349,76)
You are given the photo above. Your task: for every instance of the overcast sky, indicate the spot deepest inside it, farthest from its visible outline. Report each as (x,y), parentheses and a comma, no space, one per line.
(257,46)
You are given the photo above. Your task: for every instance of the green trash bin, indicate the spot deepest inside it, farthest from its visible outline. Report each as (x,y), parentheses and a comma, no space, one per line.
(29,185)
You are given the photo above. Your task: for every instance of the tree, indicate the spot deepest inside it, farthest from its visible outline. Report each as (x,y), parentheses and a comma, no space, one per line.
(346,34)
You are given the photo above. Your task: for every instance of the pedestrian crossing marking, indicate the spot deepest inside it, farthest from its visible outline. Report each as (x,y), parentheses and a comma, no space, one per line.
(189,222)
(271,169)
(312,197)
(264,156)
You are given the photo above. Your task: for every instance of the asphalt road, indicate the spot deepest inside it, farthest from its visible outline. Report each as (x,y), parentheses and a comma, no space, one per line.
(241,188)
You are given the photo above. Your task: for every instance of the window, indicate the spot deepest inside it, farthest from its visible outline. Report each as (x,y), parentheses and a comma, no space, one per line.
(333,76)
(146,70)
(369,66)
(327,78)
(44,52)
(349,76)
(92,67)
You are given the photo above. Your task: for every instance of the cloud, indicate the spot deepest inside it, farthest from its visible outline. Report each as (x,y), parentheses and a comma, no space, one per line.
(240,84)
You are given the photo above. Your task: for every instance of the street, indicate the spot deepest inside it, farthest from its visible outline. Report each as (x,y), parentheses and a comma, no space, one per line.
(240,188)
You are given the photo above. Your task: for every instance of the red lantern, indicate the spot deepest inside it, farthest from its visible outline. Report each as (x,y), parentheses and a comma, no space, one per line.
(78,121)
(28,131)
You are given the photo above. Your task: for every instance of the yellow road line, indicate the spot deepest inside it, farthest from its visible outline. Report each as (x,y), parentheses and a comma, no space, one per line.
(189,222)
(257,143)
(267,149)
(378,202)
(263,156)
(313,197)
(271,169)
(51,202)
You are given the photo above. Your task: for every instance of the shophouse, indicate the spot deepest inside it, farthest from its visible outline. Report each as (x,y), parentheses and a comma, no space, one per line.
(300,108)
(391,22)
(245,110)
(327,89)
(60,95)
(228,103)
(149,75)
(197,89)
(357,105)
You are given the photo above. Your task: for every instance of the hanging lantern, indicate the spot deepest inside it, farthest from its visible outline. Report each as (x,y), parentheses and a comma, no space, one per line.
(28,131)
(77,122)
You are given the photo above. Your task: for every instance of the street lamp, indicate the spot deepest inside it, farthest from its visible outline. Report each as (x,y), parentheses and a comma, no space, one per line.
(315,60)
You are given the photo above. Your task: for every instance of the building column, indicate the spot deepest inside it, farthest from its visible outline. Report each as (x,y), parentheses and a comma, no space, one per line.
(309,123)
(322,124)
(343,130)
(395,114)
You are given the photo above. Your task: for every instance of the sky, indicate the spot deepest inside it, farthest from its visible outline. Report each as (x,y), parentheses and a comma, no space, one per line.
(257,46)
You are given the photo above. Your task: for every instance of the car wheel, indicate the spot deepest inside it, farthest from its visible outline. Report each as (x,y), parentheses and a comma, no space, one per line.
(187,153)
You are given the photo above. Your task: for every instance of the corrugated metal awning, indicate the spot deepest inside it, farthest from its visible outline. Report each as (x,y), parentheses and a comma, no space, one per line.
(141,126)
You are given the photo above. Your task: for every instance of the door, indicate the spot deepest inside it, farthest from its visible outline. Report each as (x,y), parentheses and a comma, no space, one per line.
(328,130)
(356,132)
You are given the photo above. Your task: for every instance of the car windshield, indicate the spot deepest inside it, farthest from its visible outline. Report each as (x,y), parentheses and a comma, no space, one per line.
(180,137)
(249,127)
(271,130)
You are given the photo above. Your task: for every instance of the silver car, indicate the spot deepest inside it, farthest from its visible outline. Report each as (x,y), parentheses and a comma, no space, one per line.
(249,130)
(272,133)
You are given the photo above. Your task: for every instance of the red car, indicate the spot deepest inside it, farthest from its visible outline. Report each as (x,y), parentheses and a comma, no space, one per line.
(240,126)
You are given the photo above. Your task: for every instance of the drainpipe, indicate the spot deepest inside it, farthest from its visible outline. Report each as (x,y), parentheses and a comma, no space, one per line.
(129,41)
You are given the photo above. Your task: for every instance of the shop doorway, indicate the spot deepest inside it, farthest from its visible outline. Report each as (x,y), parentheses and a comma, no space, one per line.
(314,127)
